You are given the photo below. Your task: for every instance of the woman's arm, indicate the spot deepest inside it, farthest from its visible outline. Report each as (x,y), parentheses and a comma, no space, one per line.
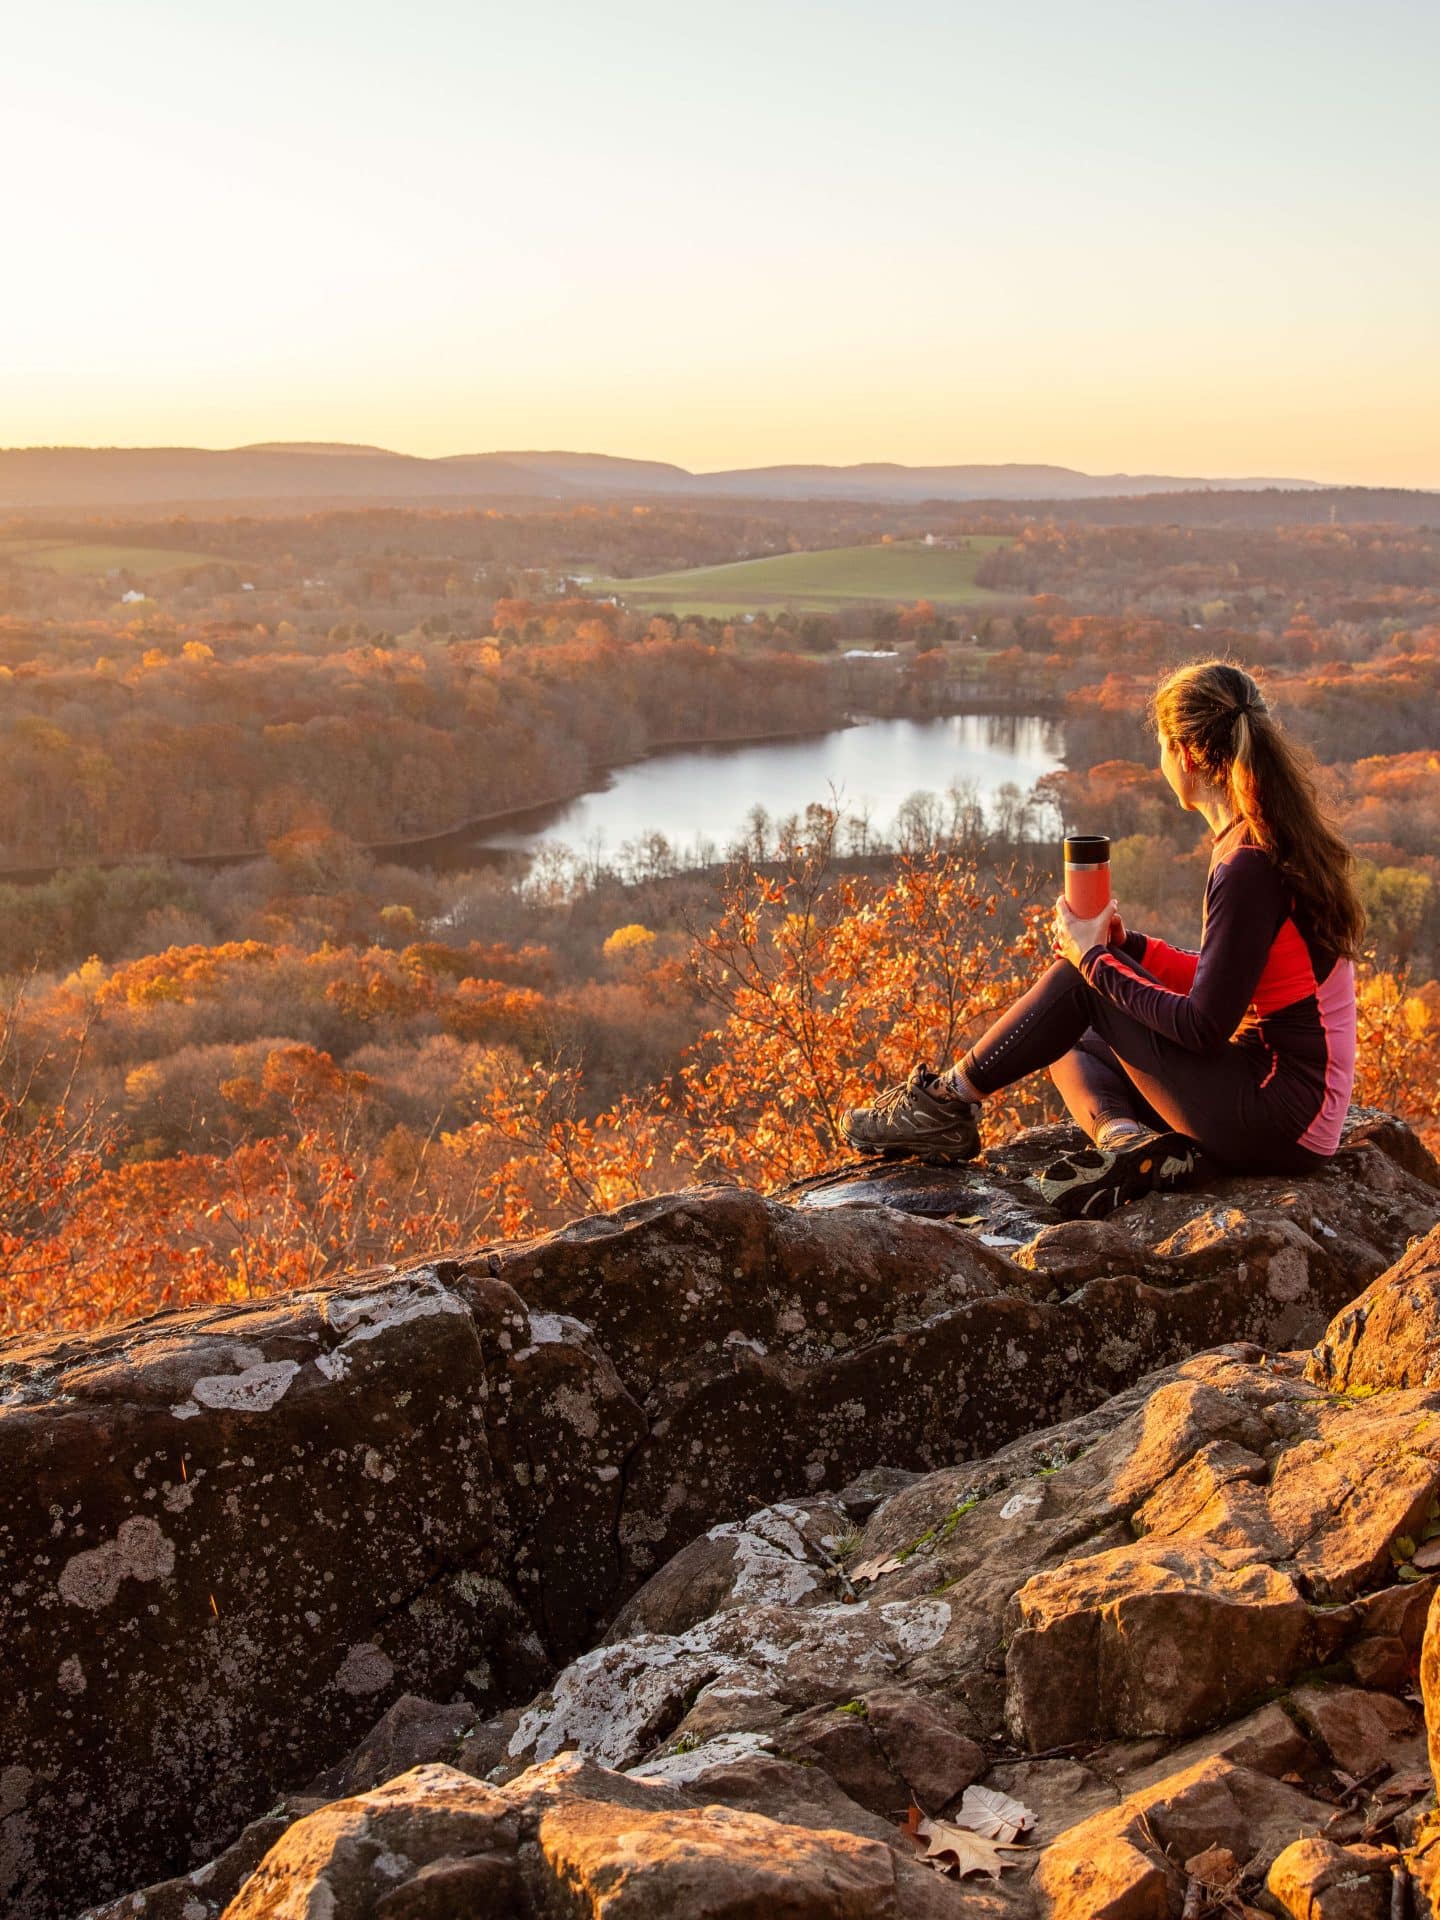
(1245,906)
(1173,967)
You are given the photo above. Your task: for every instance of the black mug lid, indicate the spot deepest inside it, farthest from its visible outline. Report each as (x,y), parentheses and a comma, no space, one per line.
(1086,849)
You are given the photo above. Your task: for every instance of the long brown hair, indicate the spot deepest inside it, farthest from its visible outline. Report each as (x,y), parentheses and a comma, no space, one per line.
(1215,710)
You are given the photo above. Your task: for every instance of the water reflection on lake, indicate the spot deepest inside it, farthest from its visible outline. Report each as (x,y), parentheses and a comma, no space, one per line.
(702,798)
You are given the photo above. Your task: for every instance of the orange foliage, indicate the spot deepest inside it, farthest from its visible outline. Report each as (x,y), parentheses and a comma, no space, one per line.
(832,987)
(825,984)
(179,973)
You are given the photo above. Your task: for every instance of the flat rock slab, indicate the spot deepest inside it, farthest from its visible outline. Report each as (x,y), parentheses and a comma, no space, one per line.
(993,1194)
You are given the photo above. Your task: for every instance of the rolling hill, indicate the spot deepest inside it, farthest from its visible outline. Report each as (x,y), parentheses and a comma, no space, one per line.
(313,475)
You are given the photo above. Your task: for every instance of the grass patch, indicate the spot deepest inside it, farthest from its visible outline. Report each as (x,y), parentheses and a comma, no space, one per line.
(820,582)
(941,1531)
(73,556)
(956,1515)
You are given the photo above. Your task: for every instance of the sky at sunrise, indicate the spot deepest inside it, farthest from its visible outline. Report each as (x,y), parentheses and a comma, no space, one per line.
(1122,236)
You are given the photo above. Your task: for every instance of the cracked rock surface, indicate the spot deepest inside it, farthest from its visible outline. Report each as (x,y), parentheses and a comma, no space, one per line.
(657,1566)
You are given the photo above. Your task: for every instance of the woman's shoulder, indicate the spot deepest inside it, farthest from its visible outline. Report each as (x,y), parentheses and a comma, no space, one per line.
(1236,846)
(1246,870)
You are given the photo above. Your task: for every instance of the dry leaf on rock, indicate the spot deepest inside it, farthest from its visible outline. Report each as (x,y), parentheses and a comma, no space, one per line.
(1427,1557)
(993,1815)
(872,1569)
(956,1849)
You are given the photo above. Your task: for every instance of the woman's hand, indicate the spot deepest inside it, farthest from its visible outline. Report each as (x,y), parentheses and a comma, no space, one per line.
(1075,937)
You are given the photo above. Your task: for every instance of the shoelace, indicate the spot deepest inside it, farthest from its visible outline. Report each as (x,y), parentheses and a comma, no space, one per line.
(919,1081)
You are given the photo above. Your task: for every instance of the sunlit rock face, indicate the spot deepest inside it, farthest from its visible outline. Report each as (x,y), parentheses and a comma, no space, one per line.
(432,1519)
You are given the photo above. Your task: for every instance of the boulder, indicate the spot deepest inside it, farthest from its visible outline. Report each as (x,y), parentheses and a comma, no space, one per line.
(778,1555)
(1265,1741)
(352,1855)
(624,1702)
(1127,1863)
(409,1733)
(922,1746)
(1150,1639)
(1362,1732)
(1390,1336)
(1430,1688)
(1315,1880)
(573,1839)
(1390,1628)
(234,1536)
(209,1889)
(887,1748)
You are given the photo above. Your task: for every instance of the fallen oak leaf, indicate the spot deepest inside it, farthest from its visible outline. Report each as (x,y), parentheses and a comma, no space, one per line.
(970,1852)
(993,1815)
(872,1569)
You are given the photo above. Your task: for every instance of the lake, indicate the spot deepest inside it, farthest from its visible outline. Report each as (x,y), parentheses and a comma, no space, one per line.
(701,798)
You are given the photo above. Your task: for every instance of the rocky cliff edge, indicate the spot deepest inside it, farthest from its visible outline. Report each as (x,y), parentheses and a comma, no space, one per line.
(685,1561)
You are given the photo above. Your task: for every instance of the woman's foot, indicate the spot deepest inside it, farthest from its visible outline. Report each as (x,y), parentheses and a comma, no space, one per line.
(922,1116)
(1095,1181)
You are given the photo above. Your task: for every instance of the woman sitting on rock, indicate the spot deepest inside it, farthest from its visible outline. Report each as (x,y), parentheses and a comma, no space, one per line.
(1244,1050)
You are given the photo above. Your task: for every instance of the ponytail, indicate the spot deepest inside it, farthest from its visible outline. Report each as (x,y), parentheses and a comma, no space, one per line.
(1217,712)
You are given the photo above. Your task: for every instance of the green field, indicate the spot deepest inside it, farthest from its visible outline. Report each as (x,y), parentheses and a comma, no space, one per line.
(819,582)
(71,556)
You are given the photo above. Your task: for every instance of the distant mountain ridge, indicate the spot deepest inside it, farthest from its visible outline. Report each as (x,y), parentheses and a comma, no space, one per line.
(330,473)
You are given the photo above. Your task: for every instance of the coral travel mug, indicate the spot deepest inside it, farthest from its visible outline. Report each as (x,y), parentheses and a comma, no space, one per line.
(1087,874)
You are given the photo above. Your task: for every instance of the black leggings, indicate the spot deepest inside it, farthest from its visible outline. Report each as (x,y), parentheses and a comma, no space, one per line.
(1109,1066)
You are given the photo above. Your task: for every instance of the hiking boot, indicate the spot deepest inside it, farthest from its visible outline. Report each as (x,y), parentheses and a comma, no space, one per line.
(921,1116)
(1092,1183)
